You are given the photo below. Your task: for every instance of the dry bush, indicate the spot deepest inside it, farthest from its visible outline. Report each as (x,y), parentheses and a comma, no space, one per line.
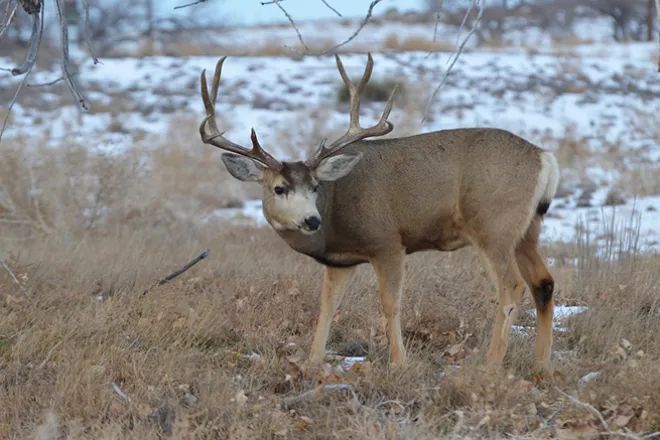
(69,187)
(393,42)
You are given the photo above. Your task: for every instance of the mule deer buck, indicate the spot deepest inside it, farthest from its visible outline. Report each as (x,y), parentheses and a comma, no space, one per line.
(361,201)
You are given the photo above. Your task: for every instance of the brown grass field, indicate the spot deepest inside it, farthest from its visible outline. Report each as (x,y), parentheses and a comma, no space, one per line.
(219,352)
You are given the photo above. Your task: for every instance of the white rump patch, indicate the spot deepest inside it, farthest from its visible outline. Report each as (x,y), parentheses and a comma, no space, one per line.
(546,185)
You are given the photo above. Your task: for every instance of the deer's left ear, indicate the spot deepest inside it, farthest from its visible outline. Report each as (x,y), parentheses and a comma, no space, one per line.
(336,167)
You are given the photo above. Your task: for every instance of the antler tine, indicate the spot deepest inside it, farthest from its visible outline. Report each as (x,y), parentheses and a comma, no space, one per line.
(355,132)
(215,137)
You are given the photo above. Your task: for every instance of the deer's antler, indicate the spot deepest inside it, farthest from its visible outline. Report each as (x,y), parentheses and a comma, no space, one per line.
(216,138)
(355,132)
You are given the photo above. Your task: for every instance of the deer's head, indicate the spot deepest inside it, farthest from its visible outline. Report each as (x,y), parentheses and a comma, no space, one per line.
(291,189)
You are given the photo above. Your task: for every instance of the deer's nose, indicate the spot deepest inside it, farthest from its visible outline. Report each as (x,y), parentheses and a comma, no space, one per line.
(313,223)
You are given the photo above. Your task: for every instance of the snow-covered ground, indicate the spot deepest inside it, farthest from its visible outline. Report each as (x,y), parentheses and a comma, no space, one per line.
(604,96)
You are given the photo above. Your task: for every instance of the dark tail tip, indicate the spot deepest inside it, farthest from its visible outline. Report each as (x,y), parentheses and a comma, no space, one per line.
(542,207)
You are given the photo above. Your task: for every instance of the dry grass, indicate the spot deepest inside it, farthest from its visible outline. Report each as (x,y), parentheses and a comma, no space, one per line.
(215,353)
(394,43)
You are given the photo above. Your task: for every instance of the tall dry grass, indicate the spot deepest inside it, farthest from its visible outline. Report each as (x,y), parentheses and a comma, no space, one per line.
(214,353)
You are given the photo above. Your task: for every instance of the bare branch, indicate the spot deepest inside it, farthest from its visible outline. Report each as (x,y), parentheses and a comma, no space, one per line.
(355,34)
(600,417)
(457,53)
(49,83)
(331,8)
(293,24)
(64,32)
(13,101)
(657,15)
(190,4)
(86,28)
(35,41)
(13,277)
(435,27)
(7,17)
(178,272)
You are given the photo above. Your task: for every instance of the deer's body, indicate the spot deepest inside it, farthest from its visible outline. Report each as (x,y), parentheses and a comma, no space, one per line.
(380,200)
(428,192)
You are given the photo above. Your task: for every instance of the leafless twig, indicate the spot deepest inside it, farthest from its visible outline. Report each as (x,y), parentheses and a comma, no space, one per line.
(178,272)
(13,277)
(7,17)
(35,41)
(64,35)
(435,27)
(359,29)
(86,28)
(49,83)
(331,8)
(657,15)
(457,53)
(311,395)
(600,417)
(13,101)
(190,4)
(293,24)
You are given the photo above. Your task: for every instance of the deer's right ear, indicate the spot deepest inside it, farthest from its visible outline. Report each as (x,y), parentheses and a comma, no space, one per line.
(243,168)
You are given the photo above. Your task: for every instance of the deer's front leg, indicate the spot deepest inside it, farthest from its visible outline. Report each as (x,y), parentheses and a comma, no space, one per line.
(334,286)
(389,271)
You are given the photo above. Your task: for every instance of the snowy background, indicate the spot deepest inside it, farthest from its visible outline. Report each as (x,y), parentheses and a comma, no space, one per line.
(593,101)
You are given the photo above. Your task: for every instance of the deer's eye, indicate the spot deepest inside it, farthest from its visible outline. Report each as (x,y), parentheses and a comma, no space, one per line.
(279,190)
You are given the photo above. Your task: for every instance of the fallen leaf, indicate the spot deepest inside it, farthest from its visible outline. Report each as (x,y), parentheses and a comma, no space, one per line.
(144,410)
(621,421)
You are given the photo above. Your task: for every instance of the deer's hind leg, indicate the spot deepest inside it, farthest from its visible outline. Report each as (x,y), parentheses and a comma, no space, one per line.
(389,269)
(500,259)
(541,284)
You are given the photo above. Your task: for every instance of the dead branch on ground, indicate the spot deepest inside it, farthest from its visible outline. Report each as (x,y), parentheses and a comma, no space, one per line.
(308,396)
(600,417)
(178,272)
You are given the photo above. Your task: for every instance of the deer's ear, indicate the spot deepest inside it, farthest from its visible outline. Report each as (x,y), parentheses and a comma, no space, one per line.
(336,167)
(243,168)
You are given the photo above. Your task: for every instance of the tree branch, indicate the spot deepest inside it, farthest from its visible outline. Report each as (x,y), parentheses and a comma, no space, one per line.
(7,17)
(331,8)
(88,40)
(178,272)
(33,48)
(355,34)
(190,4)
(64,35)
(657,16)
(458,52)
(293,24)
